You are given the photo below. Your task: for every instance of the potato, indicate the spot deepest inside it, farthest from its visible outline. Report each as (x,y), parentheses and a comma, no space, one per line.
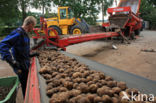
(83,87)
(83,100)
(103,91)
(85,74)
(89,78)
(93,88)
(83,80)
(74,93)
(61,70)
(115,100)
(90,82)
(75,85)
(63,89)
(102,76)
(44,70)
(72,100)
(47,76)
(54,74)
(108,78)
(106,99)
(111,84)
(76,75)
(50,92)
(91,97)
(116,90)
(122,85)
(97,99)
(68,79)
(63,75)
(68,85)
(60,98)
(77,80)
(103,82)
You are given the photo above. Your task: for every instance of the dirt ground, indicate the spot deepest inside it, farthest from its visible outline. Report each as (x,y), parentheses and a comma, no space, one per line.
(127,57)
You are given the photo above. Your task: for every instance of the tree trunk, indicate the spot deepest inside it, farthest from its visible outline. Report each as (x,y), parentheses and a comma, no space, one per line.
(43,9)
(23,7)
(102,12)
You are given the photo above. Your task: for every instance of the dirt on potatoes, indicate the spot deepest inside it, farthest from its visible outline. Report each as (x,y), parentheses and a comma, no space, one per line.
(69,81)
(4,92)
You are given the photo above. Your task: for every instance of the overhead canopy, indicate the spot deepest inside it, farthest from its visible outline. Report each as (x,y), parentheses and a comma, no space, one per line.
(134,4)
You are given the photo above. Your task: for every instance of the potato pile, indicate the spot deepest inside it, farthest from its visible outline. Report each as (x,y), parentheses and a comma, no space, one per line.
(69,81)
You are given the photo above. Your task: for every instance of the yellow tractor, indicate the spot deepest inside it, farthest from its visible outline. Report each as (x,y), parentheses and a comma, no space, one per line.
(66,23)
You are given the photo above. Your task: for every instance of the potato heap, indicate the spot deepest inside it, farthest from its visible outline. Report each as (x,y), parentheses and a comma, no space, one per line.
(69,81)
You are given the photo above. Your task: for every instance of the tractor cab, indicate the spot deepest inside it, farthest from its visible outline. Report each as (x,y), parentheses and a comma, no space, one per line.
(65,16)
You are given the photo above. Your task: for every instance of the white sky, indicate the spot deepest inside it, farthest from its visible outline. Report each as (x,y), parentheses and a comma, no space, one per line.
(54,9)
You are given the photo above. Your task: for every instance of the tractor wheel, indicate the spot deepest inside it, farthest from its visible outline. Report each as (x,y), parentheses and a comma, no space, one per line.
(57,30)
(137,32)
(52,33)
(76,29)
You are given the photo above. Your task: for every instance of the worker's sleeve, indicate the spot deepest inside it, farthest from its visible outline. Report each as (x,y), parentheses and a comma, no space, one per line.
(6,44)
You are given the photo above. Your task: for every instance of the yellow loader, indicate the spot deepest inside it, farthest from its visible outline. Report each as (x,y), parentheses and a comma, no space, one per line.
(66,23)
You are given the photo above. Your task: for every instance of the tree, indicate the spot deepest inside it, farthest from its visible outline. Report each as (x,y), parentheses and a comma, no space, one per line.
(148,12)
(8,9)
(105,4)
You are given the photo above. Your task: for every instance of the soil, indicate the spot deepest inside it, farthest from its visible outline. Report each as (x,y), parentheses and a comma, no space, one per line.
(127,57)
(4,92)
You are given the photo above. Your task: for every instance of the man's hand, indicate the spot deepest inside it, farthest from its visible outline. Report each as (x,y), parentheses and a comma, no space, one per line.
(34,54)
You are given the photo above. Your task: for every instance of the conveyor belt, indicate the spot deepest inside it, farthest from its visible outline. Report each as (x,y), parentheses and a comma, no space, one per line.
(133,81)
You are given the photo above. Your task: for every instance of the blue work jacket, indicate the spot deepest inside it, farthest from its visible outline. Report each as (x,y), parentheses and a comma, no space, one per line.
(19,43)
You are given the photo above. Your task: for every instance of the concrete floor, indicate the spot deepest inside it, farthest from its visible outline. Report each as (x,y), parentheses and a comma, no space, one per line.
(128,57)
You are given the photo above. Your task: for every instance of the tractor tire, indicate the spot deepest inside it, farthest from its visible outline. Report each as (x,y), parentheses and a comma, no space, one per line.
(57,29)
(137,32)
(86,26)
(77,29)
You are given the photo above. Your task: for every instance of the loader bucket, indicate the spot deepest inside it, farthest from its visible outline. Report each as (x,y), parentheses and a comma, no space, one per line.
(134,4)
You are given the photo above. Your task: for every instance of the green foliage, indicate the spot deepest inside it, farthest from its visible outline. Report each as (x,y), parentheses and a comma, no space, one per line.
(9,12)
(148,12)
(5,30)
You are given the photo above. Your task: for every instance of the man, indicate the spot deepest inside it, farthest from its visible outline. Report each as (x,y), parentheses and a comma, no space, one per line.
(19,57)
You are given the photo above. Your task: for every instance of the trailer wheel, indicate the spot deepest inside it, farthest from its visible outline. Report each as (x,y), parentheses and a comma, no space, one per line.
(76,29)
(137,32)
